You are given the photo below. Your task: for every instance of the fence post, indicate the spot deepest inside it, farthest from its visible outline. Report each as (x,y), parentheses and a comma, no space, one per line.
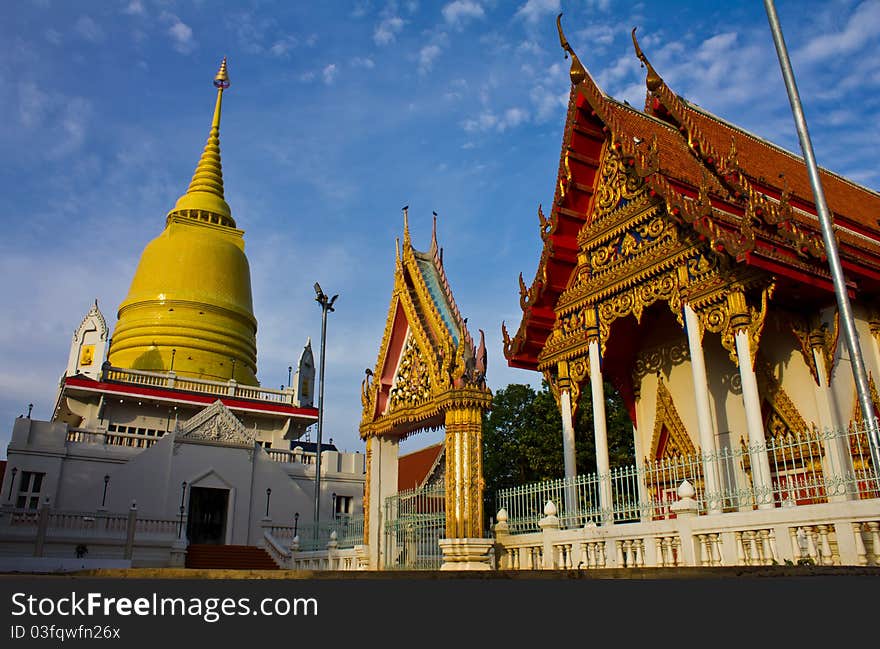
(130,530)
(501,530)
(549,525)
(332,545)
(685,509)
(294,549)
(42,526)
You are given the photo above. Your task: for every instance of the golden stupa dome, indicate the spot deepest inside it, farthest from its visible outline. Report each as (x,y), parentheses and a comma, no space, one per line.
(189,308)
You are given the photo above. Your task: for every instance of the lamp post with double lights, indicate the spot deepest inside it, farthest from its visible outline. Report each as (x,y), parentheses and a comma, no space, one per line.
(326,307)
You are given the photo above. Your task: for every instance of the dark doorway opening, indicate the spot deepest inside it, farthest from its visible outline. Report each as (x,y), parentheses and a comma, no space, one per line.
(207,515)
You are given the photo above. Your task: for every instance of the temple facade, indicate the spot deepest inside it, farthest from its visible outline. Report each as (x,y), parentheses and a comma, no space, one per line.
(683,262)
(162,441)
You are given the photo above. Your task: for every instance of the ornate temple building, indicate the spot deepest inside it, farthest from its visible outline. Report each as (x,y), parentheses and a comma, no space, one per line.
(429,375)
(162,439)
(683,263)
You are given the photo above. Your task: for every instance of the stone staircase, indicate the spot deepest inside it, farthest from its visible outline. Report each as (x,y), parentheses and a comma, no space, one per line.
(230,557)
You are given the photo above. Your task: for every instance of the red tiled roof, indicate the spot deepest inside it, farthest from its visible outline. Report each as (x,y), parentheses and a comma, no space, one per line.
(766,164)
(414,468)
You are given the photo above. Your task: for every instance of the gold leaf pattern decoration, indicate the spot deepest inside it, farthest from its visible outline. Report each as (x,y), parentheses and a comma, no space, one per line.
(412,383)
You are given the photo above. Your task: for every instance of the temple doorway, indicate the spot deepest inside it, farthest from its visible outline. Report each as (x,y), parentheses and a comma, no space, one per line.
(207,515)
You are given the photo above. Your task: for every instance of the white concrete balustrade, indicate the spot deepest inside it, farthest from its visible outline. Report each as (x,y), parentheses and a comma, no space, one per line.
(825,534)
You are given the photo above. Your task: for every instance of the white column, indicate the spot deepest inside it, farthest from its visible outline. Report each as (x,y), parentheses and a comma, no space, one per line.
(568,455)
(837,461)
(600,431)
(383,483)
(760,464)
(567,433)
(875,347)
(640,456)
(712,487)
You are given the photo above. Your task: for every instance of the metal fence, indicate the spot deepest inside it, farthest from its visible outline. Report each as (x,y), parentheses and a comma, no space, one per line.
(349,533)
(415,521)
(805,468)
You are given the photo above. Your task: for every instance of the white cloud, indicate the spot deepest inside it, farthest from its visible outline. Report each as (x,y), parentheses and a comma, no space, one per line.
(427,55)
(459,11)
(529,47)
(53,36)
(362,62)
(74,123)
(599,34)
(861,26)
(387,30)
(32,104)
(513,117)
(134,8)
(489,121)
(181,33)
(547,104)
(282,46)
(89,29)
(534,10)
(329,73)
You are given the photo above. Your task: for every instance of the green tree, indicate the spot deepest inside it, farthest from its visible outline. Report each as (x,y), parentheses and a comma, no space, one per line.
(522,437)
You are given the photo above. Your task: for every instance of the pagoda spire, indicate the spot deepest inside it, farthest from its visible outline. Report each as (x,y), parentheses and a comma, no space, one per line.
(204,197)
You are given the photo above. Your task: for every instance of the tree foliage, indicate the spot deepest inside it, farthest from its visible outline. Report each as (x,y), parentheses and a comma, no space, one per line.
(522,437)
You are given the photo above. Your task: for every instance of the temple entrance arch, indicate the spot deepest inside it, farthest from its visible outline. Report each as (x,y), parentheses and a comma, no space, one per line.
(429,375)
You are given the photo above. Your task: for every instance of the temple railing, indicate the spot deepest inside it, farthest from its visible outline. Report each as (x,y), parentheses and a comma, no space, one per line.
(825,534)
(51,532)
(812,467)
(282,543)
(101,436)
(170,381)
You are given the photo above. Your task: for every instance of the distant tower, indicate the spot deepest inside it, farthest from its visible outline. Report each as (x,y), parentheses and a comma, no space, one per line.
(191,291)
(88,350)
(305,377)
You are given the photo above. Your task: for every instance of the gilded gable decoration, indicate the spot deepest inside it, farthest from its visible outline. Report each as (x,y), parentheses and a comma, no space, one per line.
(669,429)
(216,423)
(811,333)
(412,384)
(783,417)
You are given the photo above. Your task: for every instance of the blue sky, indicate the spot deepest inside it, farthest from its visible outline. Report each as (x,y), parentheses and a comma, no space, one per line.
(339,114)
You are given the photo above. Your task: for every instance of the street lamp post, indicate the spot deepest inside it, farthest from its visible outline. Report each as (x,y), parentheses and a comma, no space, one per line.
(268,494)
(182,508)
(326,306)
(843,304)
(104,497)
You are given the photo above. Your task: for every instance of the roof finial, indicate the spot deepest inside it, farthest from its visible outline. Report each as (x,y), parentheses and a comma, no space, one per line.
(406,238)
(653,81)
(577,72)
(205,192)
(434,235)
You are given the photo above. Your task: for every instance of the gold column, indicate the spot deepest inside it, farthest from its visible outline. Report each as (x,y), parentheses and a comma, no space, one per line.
(369,460)
(464,473)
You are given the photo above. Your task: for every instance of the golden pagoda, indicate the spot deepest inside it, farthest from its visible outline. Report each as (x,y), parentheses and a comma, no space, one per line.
(189,308)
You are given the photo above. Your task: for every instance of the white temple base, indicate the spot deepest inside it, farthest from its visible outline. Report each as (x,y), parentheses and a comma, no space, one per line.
(466,554)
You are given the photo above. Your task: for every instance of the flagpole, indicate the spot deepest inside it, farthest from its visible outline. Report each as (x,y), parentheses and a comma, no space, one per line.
(843,303)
